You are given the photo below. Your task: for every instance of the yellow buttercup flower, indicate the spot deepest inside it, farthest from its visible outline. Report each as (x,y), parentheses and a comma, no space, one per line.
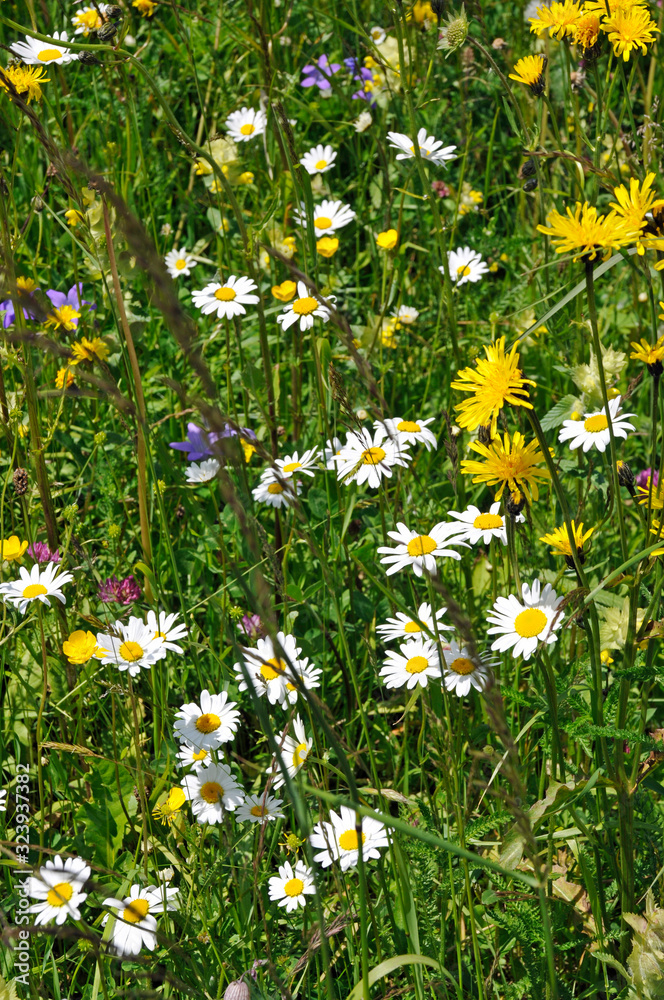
(80,647)
(168,810)
(387,240)
(327,246)
(510,462)
(560,543)
(495,380)
(559,18)
(24,79)
(285,291)
(88,350)
(530,71)
(630,29)
(586,232)
(12,549)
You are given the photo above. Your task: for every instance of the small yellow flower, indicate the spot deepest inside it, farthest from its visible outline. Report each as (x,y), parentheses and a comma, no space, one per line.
(246,177)
(12,549)
(422,12)
(387,240)
(145,8)
(560,543)
(388,331)
(168,810)
(73,216)
(63,316)
(88,350)
(606,658)
(285,291)
(657,499)
(292,843)
(651,356)
(530,72)
(634,205)
(288,247)
(203,168)
(80,647)
(28,286)
(327,246)
(24,79)
(248,449)
(64,375)
(494,267)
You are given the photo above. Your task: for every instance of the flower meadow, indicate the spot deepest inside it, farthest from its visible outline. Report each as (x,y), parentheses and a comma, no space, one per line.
(331,504)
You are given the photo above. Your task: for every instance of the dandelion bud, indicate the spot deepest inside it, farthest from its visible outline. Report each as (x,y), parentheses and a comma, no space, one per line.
(107,32)
(38,203)
(484,435)
(20,482)
(527,169)
(515,503)
(113,12)
(625,475)
(530,184)
(88,59)
(237,990)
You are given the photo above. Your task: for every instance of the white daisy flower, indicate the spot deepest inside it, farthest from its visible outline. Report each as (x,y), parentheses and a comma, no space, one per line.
(406,315)
(202,472)
(165,628)
(430,148)
(3,800)
(226,300)
(294,753)
(329,216)
(473,525)
(593,429)
(274,675)
(419,551)
(87,20)
(135,923)
(259,809)
(329,454)
(462,672)
(416,663)
(35,585)
(246,124)
(292,464)
(36,53)
(179,263)
(131,646)
(465,265)
(407,627)
(276,491)
(292,885)
(208,725)
(58,889)
(319,159)
(378,35)
(304,308)
(190,756)
(409,432)
(211,791)
(521,626)
(366,459)
(338,840)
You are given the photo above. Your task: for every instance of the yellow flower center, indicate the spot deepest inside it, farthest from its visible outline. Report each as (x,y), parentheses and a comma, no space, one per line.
(248,129)
(48,55)
(64,316)
(300,754)
(272,668)
(417,664)
(305,306)
(87,19)
(529,623)
(322,222)
(212,791)
(462,665)
(59,894)
(408,426)
(208,723)
(412,627)
(34,590)
(159,635)
(258,811)
(486,521)
(131,651)
(294,887)
(463,270)
(292,466)
(421,545)
(200,754)
(595,424)
(373,456)
(180,263)
(225,294)
(320,165)
(275,488)
(137,910)
(348,840)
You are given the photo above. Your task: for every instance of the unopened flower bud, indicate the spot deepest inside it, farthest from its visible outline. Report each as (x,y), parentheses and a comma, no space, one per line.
(484,434)
(625,475)
(515,503)
(107,32)
(237,990)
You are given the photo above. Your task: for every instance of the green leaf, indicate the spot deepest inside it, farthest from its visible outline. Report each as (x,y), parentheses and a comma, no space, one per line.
(362,606)
(390,965)
(561,411)
(317,500)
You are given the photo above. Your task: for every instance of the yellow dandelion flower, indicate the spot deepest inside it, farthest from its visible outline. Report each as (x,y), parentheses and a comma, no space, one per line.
(285,291)
(633,205)
(495,380)
(650,355)
(511,463)
(88,350)
(24,79)
(586,232)
(586,29)
(63,316)
(560,543)
(29,286)
(145,8)
(12,548)
(559,18)
(64,378)
(530,71)
(657,500)
(80,647)
(608,7)
(630,29)
(387,240)
(327,246)
(168,810)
